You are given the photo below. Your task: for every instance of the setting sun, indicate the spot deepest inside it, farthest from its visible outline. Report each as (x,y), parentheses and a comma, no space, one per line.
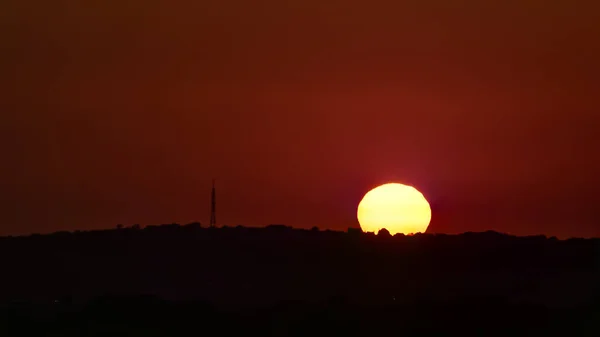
(396,207)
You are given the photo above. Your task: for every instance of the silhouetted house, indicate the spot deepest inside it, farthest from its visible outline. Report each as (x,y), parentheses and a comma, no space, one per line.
(354,230)
(194,225)
(278,227)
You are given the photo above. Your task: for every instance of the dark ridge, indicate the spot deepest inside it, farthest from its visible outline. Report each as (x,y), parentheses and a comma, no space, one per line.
(280,281)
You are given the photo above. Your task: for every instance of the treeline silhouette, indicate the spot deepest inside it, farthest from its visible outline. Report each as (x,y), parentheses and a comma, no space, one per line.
(173,280)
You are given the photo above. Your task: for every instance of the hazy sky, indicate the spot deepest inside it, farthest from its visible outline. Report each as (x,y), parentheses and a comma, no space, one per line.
(122,112)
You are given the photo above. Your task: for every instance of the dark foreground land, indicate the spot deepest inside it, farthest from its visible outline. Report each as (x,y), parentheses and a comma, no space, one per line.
(189,281)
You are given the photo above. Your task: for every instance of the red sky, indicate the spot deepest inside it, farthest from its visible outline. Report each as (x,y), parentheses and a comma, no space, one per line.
(122,112)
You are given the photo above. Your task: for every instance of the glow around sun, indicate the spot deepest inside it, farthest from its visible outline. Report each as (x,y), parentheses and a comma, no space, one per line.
(396,207)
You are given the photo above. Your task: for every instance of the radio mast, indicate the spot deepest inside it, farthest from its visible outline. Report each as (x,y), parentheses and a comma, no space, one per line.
(213,206)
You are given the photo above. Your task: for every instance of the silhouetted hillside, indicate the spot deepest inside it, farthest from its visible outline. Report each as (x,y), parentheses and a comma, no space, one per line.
(307,276)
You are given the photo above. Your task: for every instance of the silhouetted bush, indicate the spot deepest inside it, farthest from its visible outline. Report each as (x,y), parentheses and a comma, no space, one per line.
(384,233)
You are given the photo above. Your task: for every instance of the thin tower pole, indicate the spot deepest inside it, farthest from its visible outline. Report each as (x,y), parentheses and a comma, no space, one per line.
(213,206)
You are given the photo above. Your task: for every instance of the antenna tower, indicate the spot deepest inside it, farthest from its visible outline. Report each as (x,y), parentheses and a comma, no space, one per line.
(213,206)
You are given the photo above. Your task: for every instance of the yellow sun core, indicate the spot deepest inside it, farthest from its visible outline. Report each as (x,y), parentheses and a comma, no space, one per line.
(396,207)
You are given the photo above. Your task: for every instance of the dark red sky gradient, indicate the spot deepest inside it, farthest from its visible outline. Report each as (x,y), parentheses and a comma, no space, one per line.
(122,112)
